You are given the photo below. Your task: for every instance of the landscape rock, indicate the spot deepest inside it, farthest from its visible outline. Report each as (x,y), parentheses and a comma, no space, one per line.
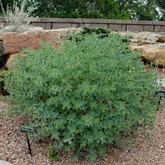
(151,45)
(161,39)
(1,39)
(21,29)
(35,28)
(15,42)
(67,31)
(10,62)
(148,36)
(152,53)
(1,48)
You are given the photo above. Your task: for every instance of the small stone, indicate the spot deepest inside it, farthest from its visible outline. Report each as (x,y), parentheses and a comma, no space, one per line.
(161,39)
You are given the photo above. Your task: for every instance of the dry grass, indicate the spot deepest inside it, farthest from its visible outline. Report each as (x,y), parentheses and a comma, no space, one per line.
(17,18)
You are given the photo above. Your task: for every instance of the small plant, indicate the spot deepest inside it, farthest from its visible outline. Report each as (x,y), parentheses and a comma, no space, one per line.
(53,154)
(85,96)
(18,19)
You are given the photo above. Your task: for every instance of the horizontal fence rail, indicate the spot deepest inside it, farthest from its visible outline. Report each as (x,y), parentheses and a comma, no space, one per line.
(115,25)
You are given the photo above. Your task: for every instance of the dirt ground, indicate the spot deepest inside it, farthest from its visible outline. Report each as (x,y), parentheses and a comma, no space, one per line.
(144,147)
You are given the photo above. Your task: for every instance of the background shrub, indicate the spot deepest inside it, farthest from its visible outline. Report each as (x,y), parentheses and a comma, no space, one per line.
(100,32)
(84,95)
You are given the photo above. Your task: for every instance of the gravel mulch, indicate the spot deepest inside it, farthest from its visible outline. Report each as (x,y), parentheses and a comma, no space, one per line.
(148,149)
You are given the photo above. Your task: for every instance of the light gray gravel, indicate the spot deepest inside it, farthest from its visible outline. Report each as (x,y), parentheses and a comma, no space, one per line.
(4,163)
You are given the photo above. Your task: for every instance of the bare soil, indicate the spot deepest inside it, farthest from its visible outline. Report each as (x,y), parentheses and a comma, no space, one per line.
(143,147)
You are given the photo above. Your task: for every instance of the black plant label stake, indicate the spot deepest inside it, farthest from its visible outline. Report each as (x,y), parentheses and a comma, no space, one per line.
(27,130)
(160,94)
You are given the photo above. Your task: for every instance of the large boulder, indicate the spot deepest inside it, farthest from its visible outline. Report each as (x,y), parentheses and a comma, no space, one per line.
(11,60)
(151,45)
(152,53)
(14,42)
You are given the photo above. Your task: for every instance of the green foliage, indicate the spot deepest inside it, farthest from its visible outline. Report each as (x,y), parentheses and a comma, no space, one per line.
(84,95)
(81,9)
(161,6)
(141,10)
(109,9)
(100,32)
(53,153)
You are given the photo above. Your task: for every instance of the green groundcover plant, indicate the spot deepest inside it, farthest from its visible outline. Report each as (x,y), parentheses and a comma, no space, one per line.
(84,96)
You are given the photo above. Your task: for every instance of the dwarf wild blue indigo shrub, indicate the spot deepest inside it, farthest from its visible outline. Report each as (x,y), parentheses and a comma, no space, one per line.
(83,95)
